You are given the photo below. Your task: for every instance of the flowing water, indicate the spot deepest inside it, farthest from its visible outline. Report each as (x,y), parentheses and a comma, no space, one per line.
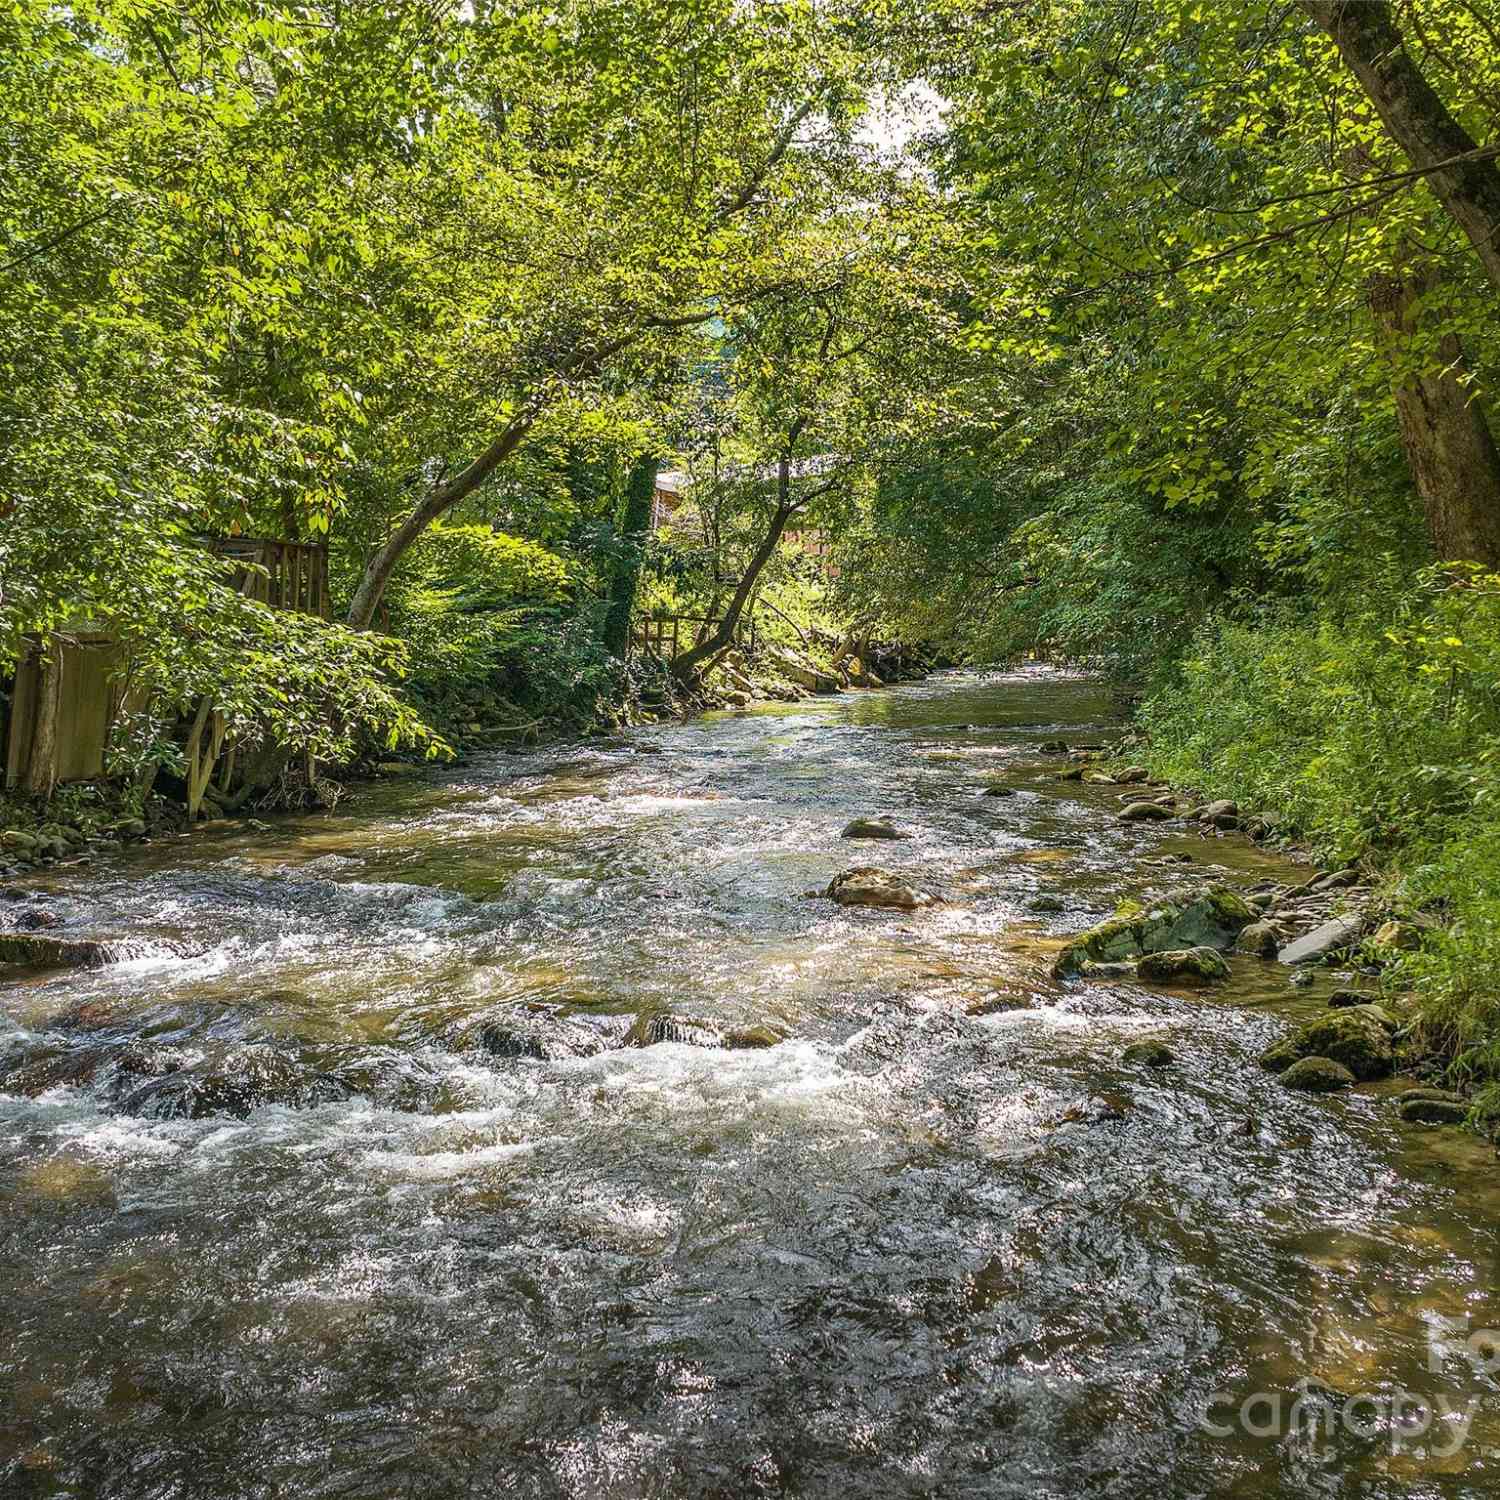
(910,1250)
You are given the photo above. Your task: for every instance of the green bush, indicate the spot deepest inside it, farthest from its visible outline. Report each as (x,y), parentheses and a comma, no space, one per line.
(1376,739)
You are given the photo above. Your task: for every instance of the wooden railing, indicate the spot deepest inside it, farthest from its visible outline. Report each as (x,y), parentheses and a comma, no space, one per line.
(296,575)
(666,636)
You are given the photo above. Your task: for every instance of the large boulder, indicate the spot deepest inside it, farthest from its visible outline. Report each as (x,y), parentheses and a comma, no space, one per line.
(1182,966)
(1357,1040)
(1332,937)
(1208,917)
(869,885)
(803,672)
(1317,1075)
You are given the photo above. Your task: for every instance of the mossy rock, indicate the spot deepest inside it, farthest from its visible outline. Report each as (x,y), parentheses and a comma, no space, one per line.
(1202,965)
(1357,1041)
(999,790)
(1425,1111)
(748,1038)
(53,952)
(1209,917)
(1146,812)
(1123,968)
(1398,937)
(1317,1075)
(1214,918)
(1260,939)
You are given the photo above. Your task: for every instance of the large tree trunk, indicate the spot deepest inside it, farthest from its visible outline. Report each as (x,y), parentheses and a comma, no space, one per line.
(1449,447)
(1417,119)
(640,494)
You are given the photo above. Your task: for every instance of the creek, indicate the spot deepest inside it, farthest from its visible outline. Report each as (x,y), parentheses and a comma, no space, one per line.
(941,1240)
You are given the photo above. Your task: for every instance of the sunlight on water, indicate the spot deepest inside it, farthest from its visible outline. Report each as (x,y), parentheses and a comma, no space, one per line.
(940,1239)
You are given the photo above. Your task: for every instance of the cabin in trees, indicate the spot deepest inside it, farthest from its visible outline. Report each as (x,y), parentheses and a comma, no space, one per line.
(673,507)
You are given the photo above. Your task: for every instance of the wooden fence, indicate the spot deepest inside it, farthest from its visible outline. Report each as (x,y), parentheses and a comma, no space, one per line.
(69,720)
(83,703)
(295,577)
(668,636)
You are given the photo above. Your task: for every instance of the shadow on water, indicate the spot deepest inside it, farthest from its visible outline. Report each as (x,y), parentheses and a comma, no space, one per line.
(908,1251)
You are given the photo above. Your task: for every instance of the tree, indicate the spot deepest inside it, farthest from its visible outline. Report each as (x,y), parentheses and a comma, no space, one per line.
(1465,178)
(635,522)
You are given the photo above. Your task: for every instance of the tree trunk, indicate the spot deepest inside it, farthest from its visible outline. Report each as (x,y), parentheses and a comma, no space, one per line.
(443,495)
(1416,118)
(687,663)
(640,494)
(41,769)
(1449,447)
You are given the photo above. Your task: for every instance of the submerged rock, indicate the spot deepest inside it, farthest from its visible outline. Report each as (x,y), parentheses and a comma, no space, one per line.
(1150,1052)
(1044,903)
(245,1079)
(515,1031)
(752,1038)
(1209,917)
(999,790)
(1428,1109)
(1182,966)
(36,1070)
(1358,1041)
(1317,1075)
(869,885)
(55,952)
(871,828)
(653,1026)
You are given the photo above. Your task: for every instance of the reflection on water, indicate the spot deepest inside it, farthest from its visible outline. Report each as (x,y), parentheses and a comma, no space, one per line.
(910,1250)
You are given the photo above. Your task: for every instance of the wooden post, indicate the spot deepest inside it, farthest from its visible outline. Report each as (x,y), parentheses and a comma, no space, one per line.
(41,773)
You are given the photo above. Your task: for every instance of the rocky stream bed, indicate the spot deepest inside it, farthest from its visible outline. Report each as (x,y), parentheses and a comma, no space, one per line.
(827,1098)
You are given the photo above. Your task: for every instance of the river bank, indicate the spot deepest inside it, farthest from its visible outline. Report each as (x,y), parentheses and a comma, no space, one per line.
(80,819)
(367,1074)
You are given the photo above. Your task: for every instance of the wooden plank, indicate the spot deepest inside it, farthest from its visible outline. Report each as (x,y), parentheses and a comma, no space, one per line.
(22,718)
